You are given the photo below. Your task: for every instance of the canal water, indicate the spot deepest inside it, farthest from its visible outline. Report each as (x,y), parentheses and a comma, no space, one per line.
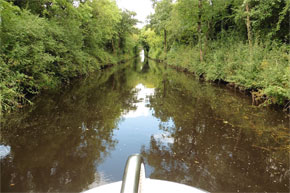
(191,132)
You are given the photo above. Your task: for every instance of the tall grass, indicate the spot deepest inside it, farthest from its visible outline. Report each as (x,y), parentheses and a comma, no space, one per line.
(264,67)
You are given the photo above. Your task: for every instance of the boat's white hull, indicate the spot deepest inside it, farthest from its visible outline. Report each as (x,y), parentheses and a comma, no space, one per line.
(148,186)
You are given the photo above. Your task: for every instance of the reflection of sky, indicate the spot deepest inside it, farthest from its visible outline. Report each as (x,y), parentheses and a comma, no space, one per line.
(142,96)
(4,151)
(164,138)
(101,179)
(135,131)
(142,55)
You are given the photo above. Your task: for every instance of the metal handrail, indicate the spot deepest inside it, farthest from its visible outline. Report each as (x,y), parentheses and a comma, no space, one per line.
(134,174)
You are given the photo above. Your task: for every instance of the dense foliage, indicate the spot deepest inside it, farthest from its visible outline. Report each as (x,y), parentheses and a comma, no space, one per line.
(48,42)
(243,42)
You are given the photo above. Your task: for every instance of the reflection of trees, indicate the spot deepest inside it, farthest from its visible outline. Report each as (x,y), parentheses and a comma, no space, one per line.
(148,73)
(220,142)
(146,66)
(215,145)
(58,144)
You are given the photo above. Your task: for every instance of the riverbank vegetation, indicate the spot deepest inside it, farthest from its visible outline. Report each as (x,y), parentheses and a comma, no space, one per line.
(242,42)
(46,43)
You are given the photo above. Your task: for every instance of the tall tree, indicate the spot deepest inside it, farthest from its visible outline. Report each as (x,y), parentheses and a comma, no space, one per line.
(199,29)
(161,18)
(248,22)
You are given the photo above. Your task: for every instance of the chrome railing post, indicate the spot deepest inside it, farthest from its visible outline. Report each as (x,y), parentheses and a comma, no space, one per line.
(134,175)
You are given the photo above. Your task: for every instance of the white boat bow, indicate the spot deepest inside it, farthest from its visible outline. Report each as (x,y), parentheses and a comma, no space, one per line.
(134,181)
(150,186)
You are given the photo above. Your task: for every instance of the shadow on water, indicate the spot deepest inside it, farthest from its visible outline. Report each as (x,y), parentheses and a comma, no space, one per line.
(58,144)
(192,132)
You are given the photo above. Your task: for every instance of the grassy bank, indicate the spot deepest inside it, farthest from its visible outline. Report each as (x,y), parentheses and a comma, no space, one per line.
(263,70)
(241,42)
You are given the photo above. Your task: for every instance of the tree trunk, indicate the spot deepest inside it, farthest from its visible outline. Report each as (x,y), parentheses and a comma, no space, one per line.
(249,25)
(206,38)
(113,46)
(199,30)
(165,44)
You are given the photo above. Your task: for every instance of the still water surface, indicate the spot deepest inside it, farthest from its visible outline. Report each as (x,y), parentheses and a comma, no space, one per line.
(188,131)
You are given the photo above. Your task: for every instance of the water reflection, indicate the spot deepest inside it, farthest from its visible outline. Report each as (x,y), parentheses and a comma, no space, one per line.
(4,151)
(188,132)
(142,55)
(143,95)
(58,145)
(218,142)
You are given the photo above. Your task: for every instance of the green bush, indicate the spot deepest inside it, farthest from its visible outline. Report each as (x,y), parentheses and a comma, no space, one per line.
(58,42)
(263,67)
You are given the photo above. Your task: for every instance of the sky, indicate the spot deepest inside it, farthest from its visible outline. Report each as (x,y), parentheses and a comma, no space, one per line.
(143,8)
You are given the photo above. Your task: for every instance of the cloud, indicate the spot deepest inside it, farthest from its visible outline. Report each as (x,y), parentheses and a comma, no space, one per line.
(143,8)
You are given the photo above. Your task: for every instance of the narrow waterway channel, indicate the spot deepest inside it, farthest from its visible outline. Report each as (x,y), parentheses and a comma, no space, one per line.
(188,131)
